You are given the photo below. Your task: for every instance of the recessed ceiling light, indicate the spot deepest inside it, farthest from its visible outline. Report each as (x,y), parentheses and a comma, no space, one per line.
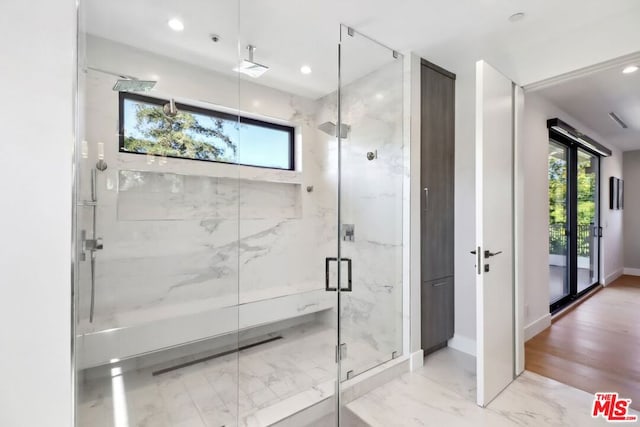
(630,69)
(517,17)
(305,69)
(175,24)
(379,96)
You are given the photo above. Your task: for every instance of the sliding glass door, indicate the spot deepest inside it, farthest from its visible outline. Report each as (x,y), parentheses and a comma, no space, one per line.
(574,228)
(588,219)
(558,221)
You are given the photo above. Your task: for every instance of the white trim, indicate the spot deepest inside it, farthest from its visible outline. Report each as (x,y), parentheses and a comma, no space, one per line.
(463,344)
(411,207)
(537,326)
(613,276)
(562,78)
(519,226)
(632,271)
(416,360)
(479,344)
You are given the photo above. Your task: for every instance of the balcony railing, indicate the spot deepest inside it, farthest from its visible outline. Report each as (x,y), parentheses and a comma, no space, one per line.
(558,239)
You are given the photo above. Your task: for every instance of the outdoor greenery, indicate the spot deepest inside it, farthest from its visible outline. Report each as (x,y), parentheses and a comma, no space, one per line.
(558,207)
(182,135)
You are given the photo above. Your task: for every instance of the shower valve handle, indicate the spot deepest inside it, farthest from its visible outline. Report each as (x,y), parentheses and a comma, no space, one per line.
(93,244)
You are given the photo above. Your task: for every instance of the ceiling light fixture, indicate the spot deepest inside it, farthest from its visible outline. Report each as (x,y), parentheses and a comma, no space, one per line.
(517,17)
(630,69)
(305,69)
(175,24)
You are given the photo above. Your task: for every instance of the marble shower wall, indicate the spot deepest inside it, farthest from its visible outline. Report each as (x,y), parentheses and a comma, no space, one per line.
(182,236)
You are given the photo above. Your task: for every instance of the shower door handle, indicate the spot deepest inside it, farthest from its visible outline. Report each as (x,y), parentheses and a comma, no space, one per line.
(327,270)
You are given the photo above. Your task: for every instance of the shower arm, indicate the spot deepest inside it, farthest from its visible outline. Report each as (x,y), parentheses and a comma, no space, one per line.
(111,73)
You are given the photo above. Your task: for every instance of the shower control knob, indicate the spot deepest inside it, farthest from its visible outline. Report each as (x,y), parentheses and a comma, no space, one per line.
(93,244)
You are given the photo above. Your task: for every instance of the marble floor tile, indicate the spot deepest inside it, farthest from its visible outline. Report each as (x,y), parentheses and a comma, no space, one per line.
(217,392)
(442,393)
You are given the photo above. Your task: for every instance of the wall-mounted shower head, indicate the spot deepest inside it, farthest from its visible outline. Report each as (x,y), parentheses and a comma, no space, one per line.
(331,129)
(170,108)
(133,85)
(127,83)
(249,67)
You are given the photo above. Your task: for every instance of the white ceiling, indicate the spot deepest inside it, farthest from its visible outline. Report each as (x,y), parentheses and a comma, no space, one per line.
(590,99)
(555,37)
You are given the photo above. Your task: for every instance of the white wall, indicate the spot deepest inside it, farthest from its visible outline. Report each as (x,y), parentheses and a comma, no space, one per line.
(38,49)
(631,227)
(536,208)
(612,244)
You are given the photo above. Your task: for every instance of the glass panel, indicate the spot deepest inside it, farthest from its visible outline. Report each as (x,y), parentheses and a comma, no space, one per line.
(287,219)
(588,220)
(558,221)
(157,282)
(371,192)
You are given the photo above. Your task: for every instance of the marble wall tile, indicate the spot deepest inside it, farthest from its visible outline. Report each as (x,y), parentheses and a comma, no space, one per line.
(205,235)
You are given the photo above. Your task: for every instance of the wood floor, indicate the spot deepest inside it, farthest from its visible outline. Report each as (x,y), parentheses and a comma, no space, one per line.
(596,346)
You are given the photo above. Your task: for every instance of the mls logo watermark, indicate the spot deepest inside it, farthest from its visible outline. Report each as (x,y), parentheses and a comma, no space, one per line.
(612,408)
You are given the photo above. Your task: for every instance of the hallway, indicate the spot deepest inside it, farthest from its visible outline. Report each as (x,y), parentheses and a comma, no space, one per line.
(595,347)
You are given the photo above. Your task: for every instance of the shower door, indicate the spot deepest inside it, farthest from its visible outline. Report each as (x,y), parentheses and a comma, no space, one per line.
(238,213)
(370,203)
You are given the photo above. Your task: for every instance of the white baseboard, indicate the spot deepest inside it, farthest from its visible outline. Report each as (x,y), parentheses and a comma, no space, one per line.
(463,344)
(416,360)
(613,276)
(632,271)
(537,326)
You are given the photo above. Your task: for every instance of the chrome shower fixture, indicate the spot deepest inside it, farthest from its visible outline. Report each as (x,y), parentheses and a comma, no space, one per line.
(170,108)
(331,129)
(127,83)
(249,67)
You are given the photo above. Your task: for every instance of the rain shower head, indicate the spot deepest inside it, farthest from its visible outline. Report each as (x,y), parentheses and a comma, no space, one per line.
(331,129)
(127,83)
(249,67)
(133,85)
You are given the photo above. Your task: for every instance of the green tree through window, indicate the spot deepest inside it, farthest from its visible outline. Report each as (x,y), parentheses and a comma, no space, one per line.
(181,135)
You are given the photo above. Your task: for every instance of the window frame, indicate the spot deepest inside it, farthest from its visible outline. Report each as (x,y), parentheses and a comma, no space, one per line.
(123,96)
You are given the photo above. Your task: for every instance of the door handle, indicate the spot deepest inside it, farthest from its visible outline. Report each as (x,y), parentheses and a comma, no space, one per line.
(426,198)
(489,254)
(327,265)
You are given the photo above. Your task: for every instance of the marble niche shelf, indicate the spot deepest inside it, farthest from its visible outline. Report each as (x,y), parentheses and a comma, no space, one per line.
(159,164)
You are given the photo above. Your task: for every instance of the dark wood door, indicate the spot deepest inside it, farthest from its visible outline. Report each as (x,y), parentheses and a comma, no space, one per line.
(437,174)
(437,313)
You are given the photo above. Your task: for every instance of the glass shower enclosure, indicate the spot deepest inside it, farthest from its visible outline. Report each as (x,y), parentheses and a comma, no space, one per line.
(239,202)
